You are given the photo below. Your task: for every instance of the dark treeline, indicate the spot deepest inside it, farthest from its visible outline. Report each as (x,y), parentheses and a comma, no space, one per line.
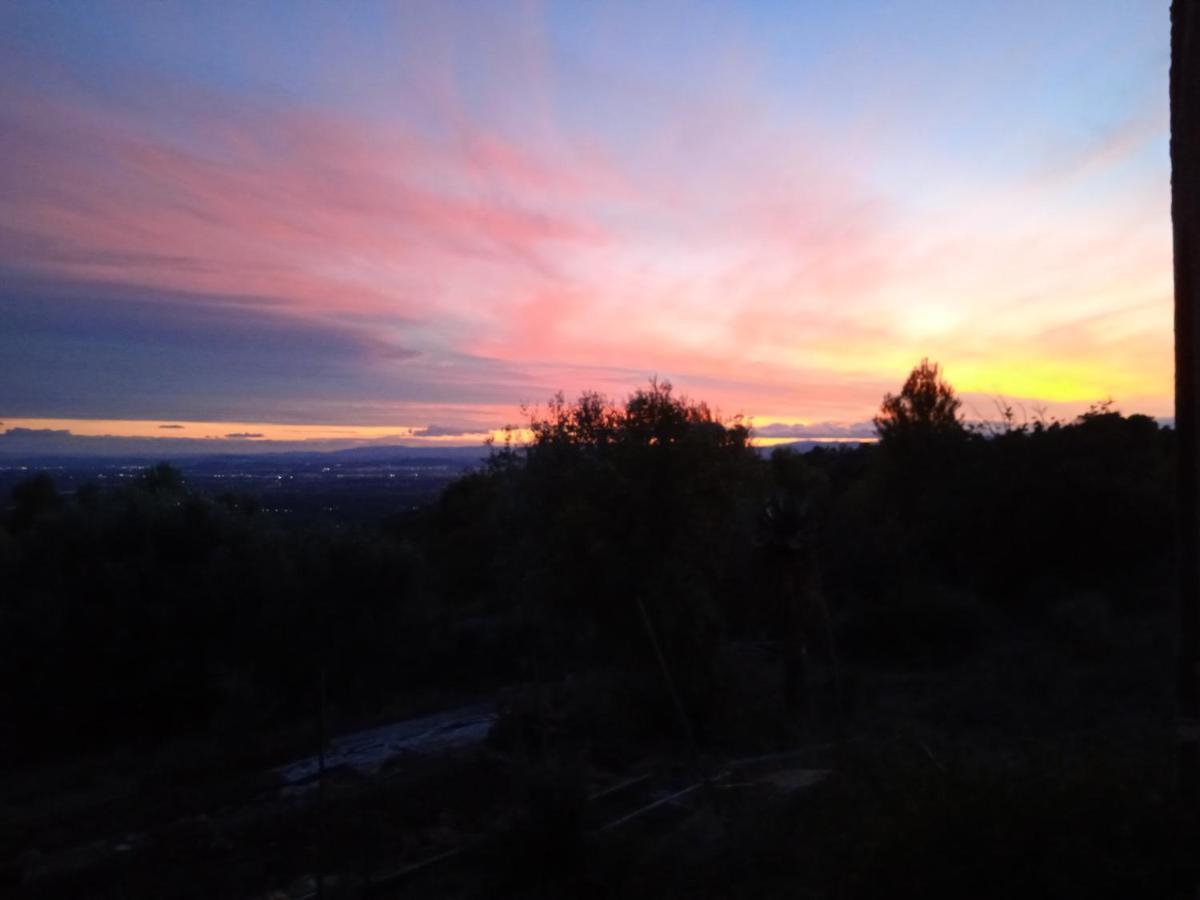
(621,531)
(151,610)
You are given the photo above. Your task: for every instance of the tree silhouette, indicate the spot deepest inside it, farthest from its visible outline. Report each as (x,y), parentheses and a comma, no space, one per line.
(621,514)
(789,533)
(162,478)
(926,407)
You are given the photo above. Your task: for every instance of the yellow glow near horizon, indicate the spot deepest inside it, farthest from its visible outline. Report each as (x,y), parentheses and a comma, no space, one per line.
(1056,381)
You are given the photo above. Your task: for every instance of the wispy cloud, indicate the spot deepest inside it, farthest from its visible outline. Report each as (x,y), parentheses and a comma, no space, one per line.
(448,431)
(441,215)
(816,431)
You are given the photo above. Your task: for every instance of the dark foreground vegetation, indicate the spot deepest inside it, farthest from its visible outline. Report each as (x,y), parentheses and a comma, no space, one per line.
(940,665)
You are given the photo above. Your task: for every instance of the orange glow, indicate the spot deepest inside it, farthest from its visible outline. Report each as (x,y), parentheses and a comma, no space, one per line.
(251,432)
(779,441)
(259,432)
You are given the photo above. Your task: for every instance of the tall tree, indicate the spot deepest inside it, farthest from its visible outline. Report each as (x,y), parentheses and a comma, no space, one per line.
(924,414)
(1185,217)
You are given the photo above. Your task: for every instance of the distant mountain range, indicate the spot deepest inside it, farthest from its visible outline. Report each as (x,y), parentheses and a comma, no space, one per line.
(17,444)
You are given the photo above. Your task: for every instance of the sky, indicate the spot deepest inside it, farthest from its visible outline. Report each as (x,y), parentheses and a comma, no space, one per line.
(379,221)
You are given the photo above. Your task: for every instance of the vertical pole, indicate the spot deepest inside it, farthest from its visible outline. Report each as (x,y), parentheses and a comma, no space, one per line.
(1185,218)
(685,720)
(324,738)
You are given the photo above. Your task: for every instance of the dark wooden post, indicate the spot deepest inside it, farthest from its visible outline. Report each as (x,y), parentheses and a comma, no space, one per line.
(1185,218)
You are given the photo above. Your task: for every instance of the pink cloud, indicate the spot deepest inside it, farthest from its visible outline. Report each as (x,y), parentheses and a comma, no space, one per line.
(317,222)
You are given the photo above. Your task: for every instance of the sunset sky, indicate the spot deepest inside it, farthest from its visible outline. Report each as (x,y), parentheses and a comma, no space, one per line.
(405,220)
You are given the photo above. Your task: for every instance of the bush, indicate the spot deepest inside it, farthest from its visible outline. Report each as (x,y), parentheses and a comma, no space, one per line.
(935,627)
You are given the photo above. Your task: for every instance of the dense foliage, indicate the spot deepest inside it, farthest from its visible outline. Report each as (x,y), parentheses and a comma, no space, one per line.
(622,533)
(151,610)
